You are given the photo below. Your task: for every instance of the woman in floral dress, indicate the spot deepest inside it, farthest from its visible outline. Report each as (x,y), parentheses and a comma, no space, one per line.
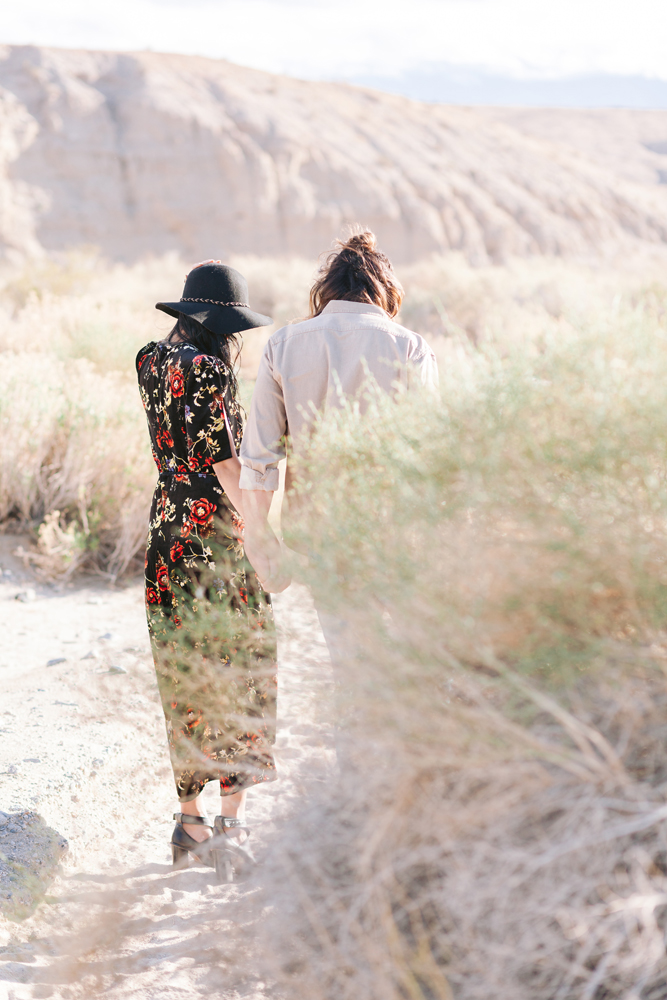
(210,622)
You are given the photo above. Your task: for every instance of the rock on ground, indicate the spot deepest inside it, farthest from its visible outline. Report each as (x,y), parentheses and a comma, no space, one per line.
(83,758)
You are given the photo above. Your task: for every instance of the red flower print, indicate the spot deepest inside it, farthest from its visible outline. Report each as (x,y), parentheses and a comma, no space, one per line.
(142,357)
(187,395)
(201,511)
(176,381)
(218,402)
(238,523)
(164,439)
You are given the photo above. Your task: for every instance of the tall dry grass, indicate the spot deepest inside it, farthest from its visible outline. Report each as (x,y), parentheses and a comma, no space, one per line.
(498,558)
(74,455)
(75,465)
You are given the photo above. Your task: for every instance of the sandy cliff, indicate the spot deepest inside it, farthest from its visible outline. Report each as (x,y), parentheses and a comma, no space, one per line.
(145,153)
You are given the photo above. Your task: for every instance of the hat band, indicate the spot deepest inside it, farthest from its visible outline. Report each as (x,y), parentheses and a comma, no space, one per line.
(213,302)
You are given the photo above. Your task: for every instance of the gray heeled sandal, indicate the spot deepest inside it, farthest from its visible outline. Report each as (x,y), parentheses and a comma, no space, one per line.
(229,856)
(183,845)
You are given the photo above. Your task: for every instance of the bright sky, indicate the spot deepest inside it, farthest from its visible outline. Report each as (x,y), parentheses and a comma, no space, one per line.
(338,38)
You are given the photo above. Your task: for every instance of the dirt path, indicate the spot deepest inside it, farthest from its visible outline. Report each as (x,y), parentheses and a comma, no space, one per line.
(83,758)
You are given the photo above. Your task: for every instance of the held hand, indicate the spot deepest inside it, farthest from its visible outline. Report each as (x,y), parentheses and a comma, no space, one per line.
(275,584)
(262,548)
(264,553)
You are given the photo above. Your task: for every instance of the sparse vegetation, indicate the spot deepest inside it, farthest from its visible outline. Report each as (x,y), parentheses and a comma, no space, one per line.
(74,440)
(499,553)
(499,556)
(75,462)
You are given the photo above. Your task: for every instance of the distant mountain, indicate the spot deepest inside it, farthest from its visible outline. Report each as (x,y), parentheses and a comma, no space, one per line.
(146,153)
(447,84)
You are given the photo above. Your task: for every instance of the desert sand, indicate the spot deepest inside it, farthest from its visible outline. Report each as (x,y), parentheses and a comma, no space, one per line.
(85,781)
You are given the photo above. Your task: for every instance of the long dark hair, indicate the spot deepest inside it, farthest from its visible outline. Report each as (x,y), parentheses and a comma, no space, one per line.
(227,349)
(356,271)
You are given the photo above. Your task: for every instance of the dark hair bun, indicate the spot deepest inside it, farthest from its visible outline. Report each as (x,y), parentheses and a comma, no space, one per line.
(355,270)
(361,242)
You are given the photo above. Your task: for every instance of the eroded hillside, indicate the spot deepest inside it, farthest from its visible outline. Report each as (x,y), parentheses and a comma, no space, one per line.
(146,153)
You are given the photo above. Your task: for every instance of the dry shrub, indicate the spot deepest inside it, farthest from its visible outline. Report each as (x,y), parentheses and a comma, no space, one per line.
(531,498)
(498,558)
(80,306)
(75,454)
(478,856)
(518,302)
(73,458)
(75,308)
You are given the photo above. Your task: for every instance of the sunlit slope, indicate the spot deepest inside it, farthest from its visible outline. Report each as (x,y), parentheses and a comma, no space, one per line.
(145,153)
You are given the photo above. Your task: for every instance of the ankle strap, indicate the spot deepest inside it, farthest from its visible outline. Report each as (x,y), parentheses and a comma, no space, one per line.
(229,821)
(192,820)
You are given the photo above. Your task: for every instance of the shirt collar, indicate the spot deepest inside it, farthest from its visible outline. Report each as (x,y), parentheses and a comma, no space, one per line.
(343,306)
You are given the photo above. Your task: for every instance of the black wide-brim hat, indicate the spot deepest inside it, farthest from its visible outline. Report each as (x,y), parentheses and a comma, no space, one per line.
(217,297)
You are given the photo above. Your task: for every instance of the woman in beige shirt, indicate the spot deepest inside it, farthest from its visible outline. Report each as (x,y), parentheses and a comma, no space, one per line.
(310,366)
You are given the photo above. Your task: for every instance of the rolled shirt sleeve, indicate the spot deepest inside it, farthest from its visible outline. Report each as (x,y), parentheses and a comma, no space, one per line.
(423,367)
(427,367)
(264,439)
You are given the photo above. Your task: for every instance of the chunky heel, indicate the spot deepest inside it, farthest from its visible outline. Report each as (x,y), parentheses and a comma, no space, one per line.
(224,868)
(232,859)
(183,846)
(180,857)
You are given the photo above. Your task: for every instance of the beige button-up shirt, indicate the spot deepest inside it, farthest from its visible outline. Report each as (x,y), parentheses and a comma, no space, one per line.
(306,366)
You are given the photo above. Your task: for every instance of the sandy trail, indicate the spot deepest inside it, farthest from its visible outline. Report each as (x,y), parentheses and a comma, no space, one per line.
(82,744)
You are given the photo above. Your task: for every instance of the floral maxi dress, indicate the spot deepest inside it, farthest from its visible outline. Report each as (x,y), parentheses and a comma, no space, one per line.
(210,622)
